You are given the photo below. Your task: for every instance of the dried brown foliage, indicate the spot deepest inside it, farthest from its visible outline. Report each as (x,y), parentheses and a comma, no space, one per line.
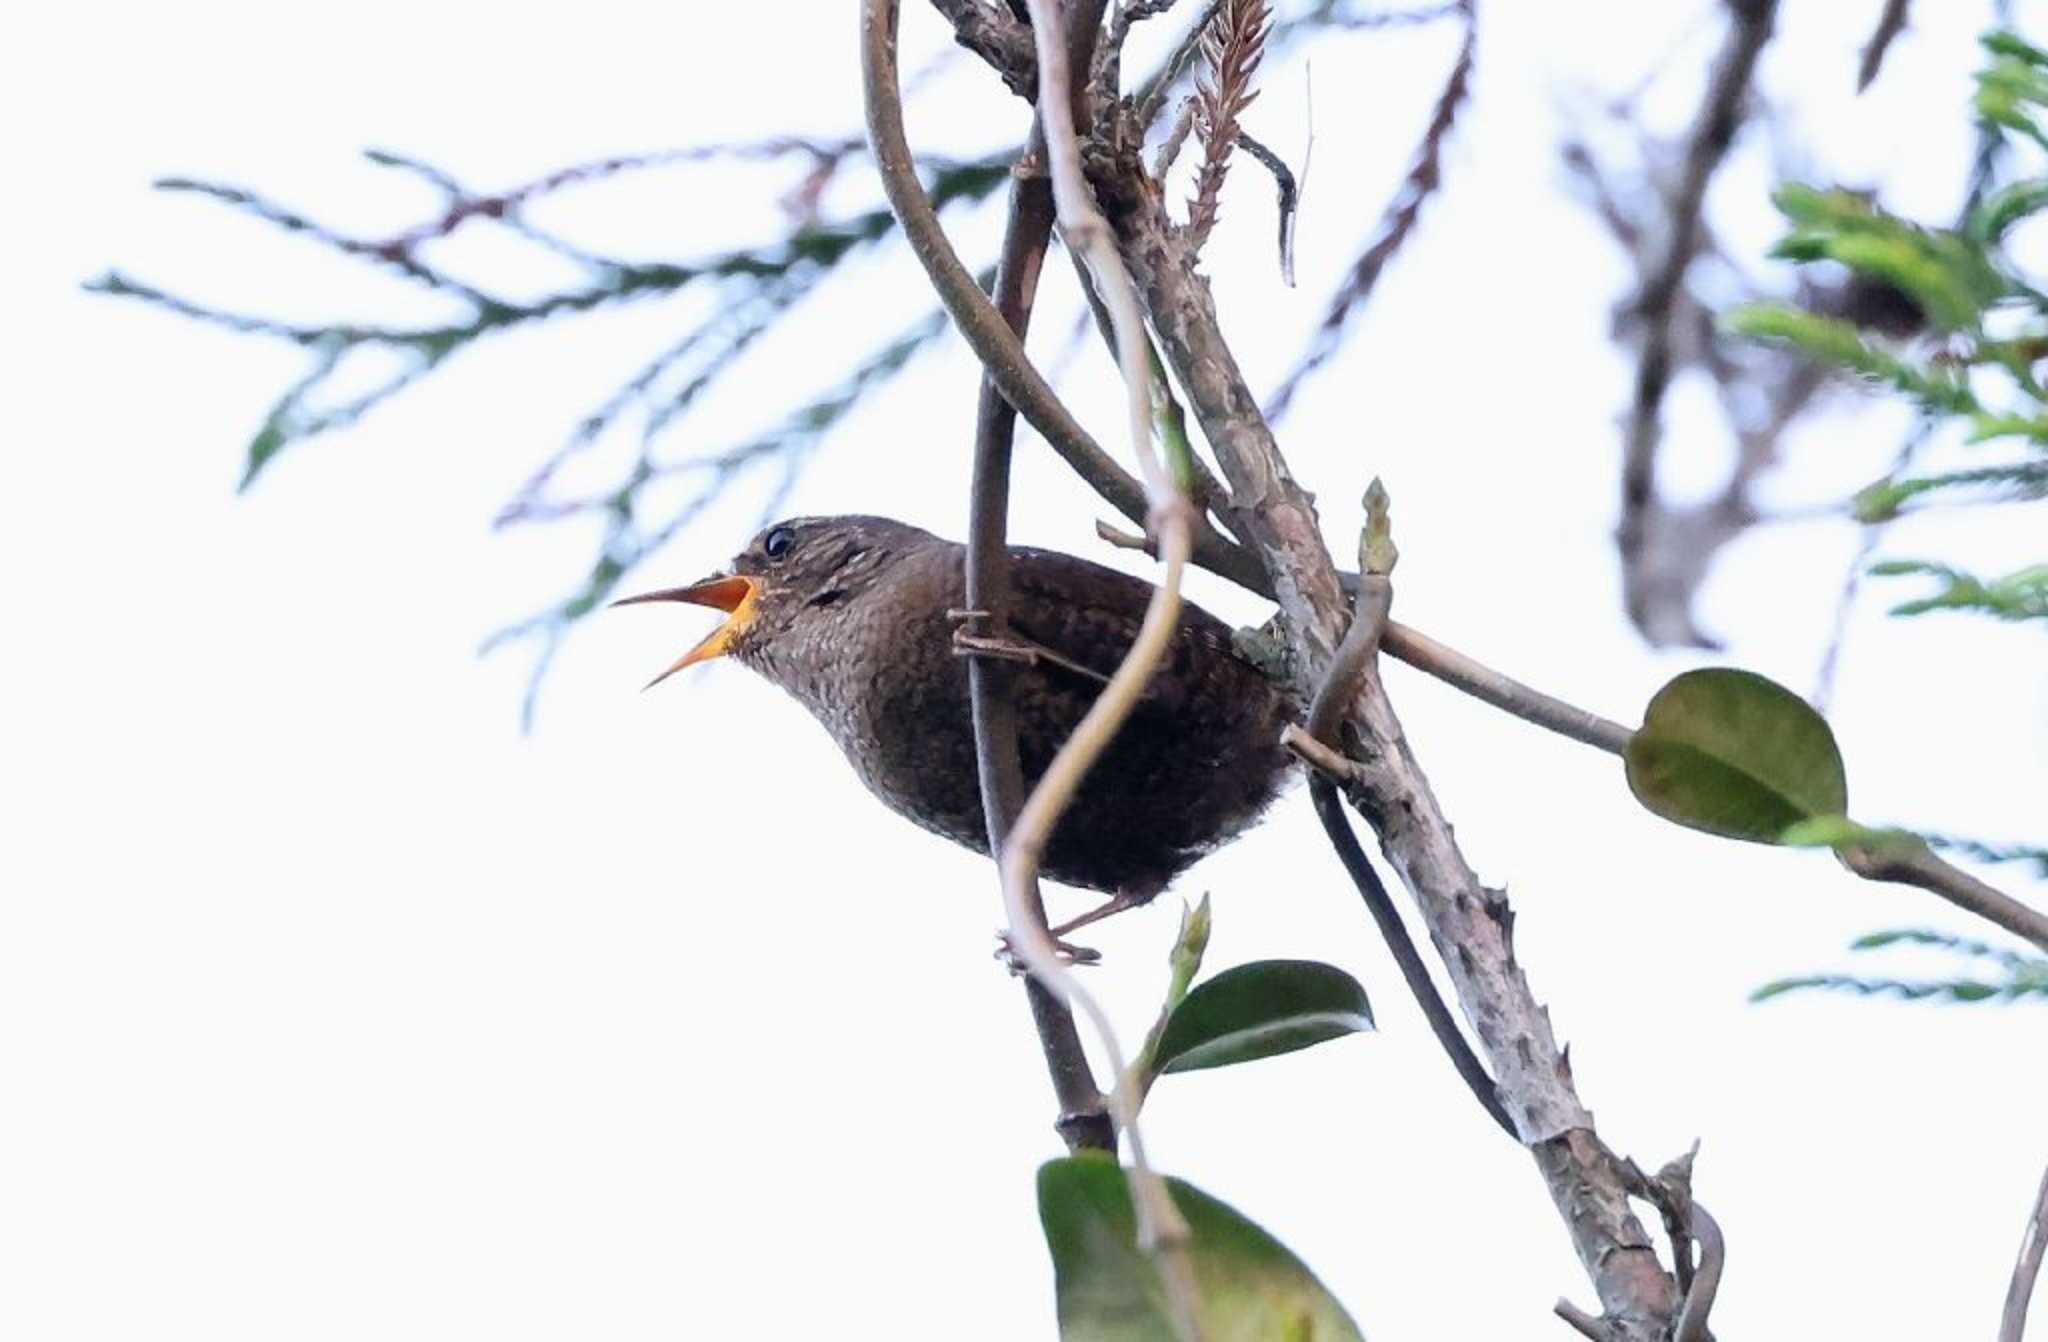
(1232,46)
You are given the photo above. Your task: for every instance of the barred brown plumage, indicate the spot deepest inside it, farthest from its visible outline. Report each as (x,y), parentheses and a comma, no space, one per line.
(857,618)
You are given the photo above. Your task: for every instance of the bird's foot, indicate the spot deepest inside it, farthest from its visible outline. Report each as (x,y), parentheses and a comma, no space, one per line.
(1067,953)
(966,644)
(1009,649)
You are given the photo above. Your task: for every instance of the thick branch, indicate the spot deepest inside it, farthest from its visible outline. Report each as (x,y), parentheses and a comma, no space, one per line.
(1353,662)
(1469,923)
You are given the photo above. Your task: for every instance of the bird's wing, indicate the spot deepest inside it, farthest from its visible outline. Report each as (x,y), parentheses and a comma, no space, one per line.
(1074,614)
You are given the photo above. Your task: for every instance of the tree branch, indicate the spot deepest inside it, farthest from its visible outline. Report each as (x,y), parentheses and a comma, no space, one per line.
(1917,865)
(1890,24)
(986,333)
(1162,1233)
(1914,864)
(2012,1323)
(1905,864)
(1354,661)
(1485,684)
(1471,924)
(1083,1120)
(1397,223)
(1657,308)
(992,33)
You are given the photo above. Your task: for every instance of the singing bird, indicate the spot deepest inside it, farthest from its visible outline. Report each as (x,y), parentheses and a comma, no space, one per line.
(856,618)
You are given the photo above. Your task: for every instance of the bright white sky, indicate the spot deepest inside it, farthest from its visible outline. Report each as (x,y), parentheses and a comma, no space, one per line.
(332,1008)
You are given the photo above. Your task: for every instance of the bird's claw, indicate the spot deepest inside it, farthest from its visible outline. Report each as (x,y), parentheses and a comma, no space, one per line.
(986,645)
(1068,954)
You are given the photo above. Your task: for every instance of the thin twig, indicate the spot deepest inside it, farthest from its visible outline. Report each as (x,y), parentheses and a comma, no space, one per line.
(1397,223)
(1393,18)
(2012,1322)
(1903,864)
(1485,684)
(1351,664)
(994,34)
(1890,24)
(1687,1223)
(1657,305)
(1109,55)
(1584,1324)
(1866,545)
(1318,756)
(1162,1232)
(1084,1120)
(1176,137)
(1204,490)
(991,339)
(1706,1278)
(1290,196)
(1151,97)
(1915,864)
(1086,234)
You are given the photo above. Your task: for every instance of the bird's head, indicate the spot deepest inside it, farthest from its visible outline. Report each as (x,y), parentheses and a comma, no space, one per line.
(786,578)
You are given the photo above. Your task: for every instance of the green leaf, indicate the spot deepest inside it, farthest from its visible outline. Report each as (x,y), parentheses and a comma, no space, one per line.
(2016,596)
(2007,206)
(1832,340)
(1252,1288)
(2010,44)
(1258,1010)
(1735,754)
(1906,990)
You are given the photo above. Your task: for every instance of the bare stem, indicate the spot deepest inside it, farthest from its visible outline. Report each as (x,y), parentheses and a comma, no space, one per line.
(1890,24)
(1088,236)
(991,338)
(1509,695)
(1162,1232)
(984,329)
(1913,865)
(1083,1121)
(1351,664)
(1275,518)
(1917,865)
(2012,1323)
(1706,1281)
(1658,307)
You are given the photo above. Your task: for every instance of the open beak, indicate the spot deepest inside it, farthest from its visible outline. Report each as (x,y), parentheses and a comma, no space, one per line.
(737,595)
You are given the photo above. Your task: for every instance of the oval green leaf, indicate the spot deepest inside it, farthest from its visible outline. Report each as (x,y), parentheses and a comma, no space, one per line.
(1258,1010)
(1252,1288)
(1735,754)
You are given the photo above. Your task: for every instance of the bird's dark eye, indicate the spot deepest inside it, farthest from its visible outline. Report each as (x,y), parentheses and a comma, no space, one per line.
(777,543)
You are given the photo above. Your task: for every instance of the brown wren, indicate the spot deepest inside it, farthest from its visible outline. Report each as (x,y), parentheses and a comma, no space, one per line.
(857,617)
